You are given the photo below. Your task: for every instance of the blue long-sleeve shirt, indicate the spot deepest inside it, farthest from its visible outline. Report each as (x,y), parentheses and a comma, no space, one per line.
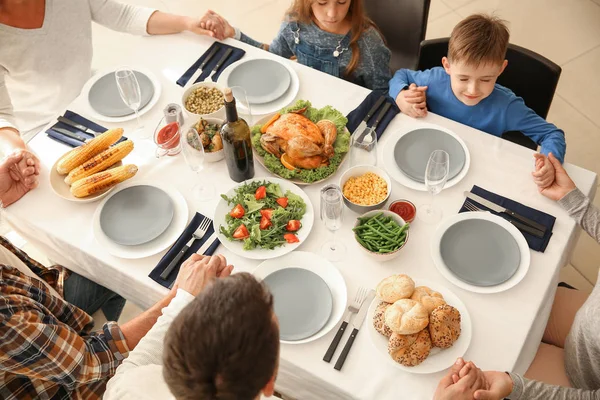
(502,111)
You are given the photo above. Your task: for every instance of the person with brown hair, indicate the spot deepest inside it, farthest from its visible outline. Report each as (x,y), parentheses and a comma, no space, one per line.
(223,344)
(465,90)
(333,36)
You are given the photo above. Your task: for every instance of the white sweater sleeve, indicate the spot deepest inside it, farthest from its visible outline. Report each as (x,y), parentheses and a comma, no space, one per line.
(149,350)
(6,109)
(121,17)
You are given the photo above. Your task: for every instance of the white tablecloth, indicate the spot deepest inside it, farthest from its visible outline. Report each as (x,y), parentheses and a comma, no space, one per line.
(507,326)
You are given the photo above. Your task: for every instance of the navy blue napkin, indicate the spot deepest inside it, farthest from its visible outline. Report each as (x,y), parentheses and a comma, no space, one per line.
(356,116)
(535,243)
(235,55)
(80,120)
(178,246)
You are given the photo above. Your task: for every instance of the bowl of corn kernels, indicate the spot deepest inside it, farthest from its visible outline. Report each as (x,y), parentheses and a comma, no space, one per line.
(204,99)
(365,188)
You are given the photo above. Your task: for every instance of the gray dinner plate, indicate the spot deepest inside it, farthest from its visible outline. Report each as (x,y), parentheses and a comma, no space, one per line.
(263,80)
(480,252)
(105,99)
(412,152)
(302,301)
(136,215)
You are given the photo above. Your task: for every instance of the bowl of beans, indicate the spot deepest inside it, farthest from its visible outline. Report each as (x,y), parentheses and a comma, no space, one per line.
(204,99)
(365,188)
(381,234)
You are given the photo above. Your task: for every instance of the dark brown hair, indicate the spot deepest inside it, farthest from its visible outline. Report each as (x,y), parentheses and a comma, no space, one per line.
(479,39)
(225,344)
(301,11)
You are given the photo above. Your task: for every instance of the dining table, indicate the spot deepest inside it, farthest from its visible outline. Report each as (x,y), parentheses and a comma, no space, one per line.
(506,327)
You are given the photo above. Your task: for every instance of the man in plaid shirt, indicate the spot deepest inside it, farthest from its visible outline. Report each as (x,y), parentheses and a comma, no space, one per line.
(47,349)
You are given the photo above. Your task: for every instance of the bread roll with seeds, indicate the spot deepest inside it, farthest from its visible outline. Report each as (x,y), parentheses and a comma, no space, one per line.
(406,317)
(429,298)
(410,350)
(379,319)
(444,326)
(395,287)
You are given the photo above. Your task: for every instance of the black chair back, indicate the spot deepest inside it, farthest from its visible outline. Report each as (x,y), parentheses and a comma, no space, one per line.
(403,24)
(528,74)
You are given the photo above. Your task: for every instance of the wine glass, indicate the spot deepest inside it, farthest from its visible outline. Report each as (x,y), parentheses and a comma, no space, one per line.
(243,105)
(436,176)
(193,152)
(129,89)
(363,149)
(332,207)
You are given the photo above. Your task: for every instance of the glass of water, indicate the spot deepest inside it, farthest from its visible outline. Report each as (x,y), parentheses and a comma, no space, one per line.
(195,158)
(332,207)
(129,89)
(436,176)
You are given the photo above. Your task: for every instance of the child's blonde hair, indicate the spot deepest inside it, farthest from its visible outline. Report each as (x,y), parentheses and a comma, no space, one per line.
(301,11)
(479,39)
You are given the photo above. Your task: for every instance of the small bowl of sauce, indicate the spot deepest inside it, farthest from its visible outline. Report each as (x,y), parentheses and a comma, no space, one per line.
(405,209)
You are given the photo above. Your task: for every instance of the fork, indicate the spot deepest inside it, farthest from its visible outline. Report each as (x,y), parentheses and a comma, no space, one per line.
(522,227)
(197,235)
(353,308)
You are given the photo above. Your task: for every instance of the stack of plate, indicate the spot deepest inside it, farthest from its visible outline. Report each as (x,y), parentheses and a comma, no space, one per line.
(406,158)
(309,295)
(269,85)
(140,220)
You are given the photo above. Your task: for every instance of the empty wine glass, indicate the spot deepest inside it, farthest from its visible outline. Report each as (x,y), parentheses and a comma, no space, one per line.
(332,207)
(243,105)
(436,176)
(129,89)
(363,148)
(193,152)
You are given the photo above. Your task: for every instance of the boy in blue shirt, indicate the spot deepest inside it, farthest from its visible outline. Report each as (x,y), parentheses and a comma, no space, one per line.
(465,90)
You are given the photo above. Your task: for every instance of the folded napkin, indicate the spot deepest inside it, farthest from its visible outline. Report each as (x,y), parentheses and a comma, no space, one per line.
(535,243)
(235,55)
(80,120)
(178,246)
(356,116)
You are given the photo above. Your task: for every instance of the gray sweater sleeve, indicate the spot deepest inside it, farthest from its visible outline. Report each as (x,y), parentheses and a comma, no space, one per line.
(375,60)
(525,389)
(586,214)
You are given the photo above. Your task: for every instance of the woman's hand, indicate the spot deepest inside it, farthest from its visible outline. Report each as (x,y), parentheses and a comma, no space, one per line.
(215,23)
(562,183)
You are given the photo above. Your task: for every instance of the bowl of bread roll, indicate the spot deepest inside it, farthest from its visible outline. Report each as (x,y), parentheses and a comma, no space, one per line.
(419,326)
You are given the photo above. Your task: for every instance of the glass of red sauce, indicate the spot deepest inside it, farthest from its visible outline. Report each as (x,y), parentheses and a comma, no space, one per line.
(167,138)
(405,209)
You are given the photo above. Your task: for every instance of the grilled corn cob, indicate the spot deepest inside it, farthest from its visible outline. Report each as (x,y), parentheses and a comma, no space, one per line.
(103,180)
(83,153)
(101,162)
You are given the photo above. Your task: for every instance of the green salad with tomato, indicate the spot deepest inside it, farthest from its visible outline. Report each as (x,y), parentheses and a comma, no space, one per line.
(263,216)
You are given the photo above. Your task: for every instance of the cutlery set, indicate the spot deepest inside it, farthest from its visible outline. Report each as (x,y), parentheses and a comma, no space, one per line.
(364,131)
(201,67)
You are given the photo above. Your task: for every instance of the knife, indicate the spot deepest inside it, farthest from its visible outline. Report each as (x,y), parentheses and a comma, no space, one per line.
(75,125)
(206,245)
(356,323)
(71,135)
(363,124)
(500,209)
(219,64)
(200,69)
(373,127)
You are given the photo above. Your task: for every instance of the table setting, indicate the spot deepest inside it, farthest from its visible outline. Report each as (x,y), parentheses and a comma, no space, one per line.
(337,206)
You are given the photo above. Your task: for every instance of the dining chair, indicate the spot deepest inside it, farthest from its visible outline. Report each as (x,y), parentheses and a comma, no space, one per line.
(528,74)
(403,24)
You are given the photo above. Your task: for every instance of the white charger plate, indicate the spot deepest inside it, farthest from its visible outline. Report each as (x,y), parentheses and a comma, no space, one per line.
(237,247)
(267,108)
(396,173)
(439,359)
(484,215)
(324,269)
(89,110)
(162,242)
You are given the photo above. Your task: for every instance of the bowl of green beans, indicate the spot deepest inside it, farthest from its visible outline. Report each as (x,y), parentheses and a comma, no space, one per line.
(381,234)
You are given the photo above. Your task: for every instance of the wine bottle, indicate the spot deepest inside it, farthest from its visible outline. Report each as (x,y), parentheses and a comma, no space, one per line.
(237,145)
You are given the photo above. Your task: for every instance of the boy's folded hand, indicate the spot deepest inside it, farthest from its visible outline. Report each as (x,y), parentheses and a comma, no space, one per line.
(413,101)
(544,173)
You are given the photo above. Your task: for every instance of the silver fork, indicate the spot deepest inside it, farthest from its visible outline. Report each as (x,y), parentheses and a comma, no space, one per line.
(472,207)
(522,227)
(197,235)
(353,308)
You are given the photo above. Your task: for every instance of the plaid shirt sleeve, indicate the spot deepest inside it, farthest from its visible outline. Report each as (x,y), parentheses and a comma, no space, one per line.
(47,341)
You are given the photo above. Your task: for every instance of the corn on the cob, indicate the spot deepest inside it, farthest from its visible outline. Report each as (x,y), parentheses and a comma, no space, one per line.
(103,180)
(102,161)
(83,153)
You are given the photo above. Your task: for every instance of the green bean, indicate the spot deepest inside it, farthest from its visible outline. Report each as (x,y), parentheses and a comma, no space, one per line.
(381,234)
(384,227)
